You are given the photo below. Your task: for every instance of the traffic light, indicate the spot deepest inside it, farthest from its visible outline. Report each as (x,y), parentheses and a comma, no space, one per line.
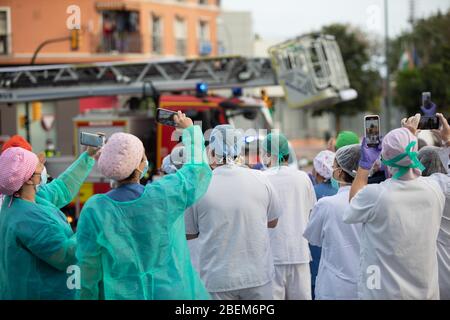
(36,111)
(74,39)
(266,99)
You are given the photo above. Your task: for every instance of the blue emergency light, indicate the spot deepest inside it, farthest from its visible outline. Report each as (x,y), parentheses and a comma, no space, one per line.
(237,91)
(201,89)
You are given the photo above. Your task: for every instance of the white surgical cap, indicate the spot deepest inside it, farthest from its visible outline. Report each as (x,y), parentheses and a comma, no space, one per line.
(174,161)
(226,141)
(434,159)
(348,157)
(323,163)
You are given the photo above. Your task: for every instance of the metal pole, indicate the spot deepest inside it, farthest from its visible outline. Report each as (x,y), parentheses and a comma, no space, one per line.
(33,60)
(387,97)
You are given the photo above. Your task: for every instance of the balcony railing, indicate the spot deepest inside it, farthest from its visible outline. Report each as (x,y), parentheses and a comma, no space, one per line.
(118,42)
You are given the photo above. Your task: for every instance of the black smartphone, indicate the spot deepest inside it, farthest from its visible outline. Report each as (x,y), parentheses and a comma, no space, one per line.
(165,117)
(92,139)
(429,123)
(372,130)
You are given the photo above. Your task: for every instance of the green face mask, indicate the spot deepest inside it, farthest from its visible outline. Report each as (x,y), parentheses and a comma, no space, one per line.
(415,163)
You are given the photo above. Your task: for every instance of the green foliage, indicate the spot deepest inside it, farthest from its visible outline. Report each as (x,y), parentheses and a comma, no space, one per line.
(431,39)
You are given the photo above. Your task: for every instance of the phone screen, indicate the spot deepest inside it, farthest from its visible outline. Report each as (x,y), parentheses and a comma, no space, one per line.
(165,117)
(372,127)
(426,99)
(429,123)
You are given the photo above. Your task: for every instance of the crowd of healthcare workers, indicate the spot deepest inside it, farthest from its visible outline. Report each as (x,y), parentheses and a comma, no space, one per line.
(366,223)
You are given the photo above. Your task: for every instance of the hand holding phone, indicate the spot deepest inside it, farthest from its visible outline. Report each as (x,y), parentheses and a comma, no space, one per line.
(429,123)
(372,130)
(166,117)
(172,118)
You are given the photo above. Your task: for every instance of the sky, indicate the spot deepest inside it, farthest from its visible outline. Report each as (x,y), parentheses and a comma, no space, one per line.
(280,19)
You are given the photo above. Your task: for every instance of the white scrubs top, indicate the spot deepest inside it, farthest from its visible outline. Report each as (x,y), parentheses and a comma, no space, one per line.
(443,242)
(401,221)
(337,278)
(231,219)
(296,193)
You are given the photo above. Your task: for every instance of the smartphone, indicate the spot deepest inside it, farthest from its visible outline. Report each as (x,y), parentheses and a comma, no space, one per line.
(92,139)
(165,117)
(429,123)
(372,130)
(426,99)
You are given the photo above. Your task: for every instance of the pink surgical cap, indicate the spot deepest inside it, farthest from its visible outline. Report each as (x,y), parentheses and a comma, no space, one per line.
(17,166)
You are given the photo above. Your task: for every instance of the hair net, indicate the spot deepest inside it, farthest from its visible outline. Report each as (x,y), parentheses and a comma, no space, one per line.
(174,161)
(401,143)
(346,138)
(120,156)
(17,166)
(323,163)
(432,158)
(276,144)
(348,157)
(17,141)
(226,141)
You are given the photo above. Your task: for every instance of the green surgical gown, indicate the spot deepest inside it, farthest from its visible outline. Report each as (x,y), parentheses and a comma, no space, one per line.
(37,243)
(138,249)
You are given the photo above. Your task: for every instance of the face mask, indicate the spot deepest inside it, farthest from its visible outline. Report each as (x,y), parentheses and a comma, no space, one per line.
(44,177)
(43,182)
(144,172)
(334,183)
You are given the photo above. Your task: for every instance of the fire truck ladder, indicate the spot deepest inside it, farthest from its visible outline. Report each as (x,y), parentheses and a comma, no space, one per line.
(69,81)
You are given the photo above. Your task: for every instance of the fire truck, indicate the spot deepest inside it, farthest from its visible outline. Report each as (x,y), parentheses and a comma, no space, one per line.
(309,68)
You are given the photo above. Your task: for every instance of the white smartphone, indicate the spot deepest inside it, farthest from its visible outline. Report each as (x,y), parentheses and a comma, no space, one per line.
(372,130)
(92,139)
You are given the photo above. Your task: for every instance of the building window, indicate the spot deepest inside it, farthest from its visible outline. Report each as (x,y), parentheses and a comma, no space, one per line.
(4,32)
(157,34)
(120,32)
(204,40)
(203,2)
(180,37)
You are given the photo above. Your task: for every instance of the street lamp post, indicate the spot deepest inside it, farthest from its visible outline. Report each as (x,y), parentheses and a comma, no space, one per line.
(387,96)
(33,60)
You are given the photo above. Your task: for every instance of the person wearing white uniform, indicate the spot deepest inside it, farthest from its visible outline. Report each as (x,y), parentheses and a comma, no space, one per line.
(231,222)
(401,219)
(337,278)
(436,162)
(289,249)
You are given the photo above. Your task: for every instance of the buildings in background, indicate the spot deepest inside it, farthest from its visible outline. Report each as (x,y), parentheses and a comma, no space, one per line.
(110,30)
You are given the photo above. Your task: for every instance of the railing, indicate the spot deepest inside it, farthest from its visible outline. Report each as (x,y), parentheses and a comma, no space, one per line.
(118,42)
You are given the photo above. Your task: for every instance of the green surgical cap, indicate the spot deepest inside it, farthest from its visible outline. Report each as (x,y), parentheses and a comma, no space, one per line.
(276,144)
(346,138)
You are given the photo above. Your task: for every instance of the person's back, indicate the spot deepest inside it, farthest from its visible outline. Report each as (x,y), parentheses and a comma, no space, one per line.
(296,194)
(340,242)
(231,220)
(289,249)
(443,241)
(401,224)
(22,224)
(137,259)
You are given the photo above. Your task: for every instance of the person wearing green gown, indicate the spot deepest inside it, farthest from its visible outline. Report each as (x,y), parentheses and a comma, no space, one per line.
(131,240)
(37,244)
